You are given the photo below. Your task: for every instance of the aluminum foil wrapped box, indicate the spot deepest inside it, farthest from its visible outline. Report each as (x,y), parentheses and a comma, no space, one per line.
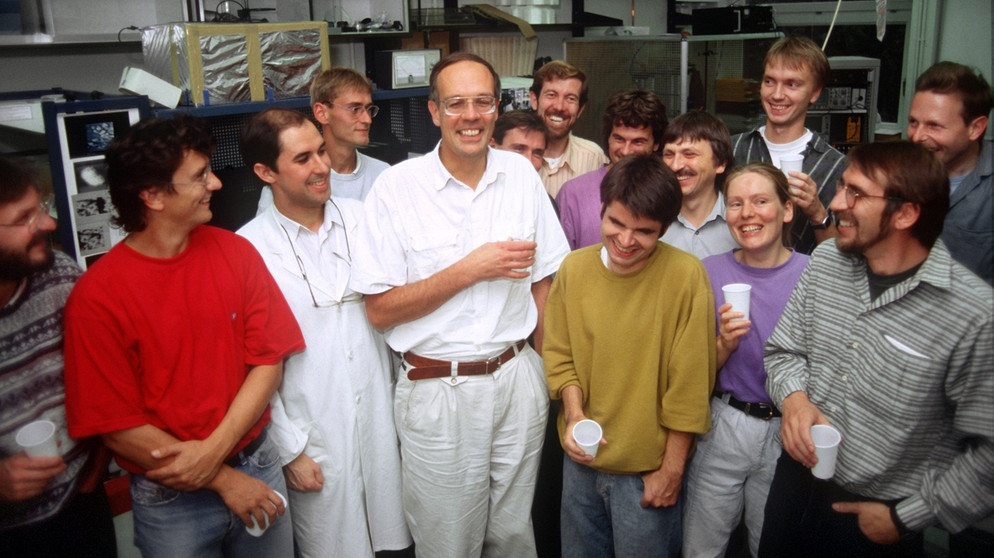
(237,62)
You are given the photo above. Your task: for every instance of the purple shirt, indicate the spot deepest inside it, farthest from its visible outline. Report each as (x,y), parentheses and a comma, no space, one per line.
(579,202)
(744,375)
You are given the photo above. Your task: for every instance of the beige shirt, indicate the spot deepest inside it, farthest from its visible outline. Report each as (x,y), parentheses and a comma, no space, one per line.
(581,157)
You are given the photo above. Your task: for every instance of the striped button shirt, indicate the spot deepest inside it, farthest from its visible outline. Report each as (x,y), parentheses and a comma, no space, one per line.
(581,157)
(822,162)
(908,379)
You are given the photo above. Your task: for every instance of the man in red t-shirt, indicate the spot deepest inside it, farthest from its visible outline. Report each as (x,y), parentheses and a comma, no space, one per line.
(175,341)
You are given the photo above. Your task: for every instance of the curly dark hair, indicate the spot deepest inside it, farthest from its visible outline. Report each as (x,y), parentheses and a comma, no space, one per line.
(146,157)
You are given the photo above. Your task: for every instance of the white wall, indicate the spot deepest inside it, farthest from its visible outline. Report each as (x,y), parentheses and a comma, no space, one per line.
(965,34)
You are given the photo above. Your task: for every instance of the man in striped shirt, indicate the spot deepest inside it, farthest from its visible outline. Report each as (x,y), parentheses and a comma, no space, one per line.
(795,70)
(890,341)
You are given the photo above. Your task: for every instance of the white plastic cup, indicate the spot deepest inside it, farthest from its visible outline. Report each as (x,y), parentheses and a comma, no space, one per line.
(790,163)
(737,294)
(587,434)
(826,439)
(256,530)
(38,439)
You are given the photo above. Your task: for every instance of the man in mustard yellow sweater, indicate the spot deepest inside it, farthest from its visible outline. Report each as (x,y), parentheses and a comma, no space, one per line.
(629,343)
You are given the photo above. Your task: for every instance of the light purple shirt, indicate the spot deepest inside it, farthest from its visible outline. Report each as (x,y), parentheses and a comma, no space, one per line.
(744,375)
(579,203)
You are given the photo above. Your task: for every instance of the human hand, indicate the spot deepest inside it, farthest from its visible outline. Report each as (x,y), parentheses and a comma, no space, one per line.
(194,463)
(799,415)
(23,477)
(303,474)
(874,520)
(731,327)
(662,487)
(248,497)
(804,193)
(573,450)
(506,259)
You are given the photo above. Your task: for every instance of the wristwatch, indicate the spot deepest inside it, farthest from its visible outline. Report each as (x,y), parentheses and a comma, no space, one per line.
(824,224)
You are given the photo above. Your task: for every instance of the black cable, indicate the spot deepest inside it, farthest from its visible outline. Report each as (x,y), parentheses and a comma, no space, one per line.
(128,28)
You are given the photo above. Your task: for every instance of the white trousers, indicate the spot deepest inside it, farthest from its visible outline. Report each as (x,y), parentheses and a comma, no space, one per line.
(469,456)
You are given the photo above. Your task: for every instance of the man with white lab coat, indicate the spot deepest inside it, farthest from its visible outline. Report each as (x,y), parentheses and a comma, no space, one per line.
(333,413)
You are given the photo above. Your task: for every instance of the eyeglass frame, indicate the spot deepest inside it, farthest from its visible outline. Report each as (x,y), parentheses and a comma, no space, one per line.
(850,192)
(371,110)
(448,112)
(303,272)
(205,179)
(34,221)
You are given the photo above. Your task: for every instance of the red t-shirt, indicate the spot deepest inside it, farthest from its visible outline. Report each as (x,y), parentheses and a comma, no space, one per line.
(169,342)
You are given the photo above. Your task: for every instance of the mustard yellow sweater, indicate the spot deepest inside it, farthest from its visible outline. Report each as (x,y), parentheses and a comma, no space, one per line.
(641,347)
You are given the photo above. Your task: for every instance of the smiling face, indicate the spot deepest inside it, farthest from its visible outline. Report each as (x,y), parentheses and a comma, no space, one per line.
(193,183)
(936,122)
(345,128)
(755,214)
(787,93)
(23,251)
(559,105)
(625,140)
(694,165)
(865,227)
(301,177)
(629,240)
(465,136)
(529,143)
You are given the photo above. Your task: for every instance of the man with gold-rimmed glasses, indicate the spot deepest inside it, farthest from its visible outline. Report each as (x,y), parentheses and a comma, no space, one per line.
(333,413)
(890,340)
(455,255)
(342,103)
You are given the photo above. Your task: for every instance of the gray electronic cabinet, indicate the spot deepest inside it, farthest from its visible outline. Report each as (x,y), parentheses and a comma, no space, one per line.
(846,111)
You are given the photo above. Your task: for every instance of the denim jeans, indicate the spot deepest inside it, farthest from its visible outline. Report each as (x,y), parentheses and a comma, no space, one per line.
(731,471)
(175,524)
(601,517)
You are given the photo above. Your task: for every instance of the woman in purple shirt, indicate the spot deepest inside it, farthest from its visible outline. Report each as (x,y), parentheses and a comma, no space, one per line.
(735,461)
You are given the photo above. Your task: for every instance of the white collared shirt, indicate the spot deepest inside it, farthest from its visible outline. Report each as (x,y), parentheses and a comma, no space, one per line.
(420,220)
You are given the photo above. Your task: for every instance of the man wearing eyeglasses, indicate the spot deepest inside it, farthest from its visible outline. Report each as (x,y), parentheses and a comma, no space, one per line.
(342,102)
(333,413)
(50,505)
(891,341)
(175,341)
(455,256)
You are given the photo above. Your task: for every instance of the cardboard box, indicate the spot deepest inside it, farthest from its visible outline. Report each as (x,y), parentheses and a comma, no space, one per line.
(237,62)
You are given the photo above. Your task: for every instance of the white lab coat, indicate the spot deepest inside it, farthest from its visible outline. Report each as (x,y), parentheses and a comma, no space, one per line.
(336,405)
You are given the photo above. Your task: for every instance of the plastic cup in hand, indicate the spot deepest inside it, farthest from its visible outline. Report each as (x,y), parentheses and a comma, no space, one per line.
(587,434)
(826,439)
(790,163)
(38,439)
(737,294)
(256,530)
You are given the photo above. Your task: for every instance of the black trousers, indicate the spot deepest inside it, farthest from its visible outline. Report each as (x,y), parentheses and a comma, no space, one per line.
(800,521)
(85,529)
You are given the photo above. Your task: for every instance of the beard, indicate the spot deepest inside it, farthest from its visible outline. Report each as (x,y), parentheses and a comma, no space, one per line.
(858,246)
(16,265)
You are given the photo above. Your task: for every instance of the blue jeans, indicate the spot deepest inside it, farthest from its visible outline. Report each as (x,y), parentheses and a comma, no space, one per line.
(174,524)
(601,517)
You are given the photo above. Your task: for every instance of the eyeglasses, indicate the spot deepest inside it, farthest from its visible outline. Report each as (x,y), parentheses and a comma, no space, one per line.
(34,220)
(353,297)
(356,110)
(457,106)
(202,182)
(852,195)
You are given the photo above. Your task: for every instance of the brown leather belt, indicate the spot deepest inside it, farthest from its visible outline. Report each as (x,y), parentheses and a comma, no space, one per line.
(425,368)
